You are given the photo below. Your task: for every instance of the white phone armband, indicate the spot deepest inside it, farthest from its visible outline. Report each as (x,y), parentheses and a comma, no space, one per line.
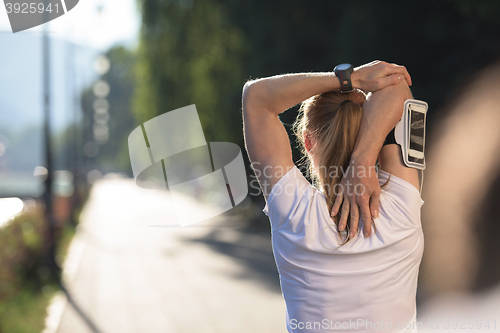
(409,133)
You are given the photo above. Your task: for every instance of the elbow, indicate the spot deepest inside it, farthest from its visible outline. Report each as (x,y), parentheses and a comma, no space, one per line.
(404,90)
(246,90)
(249,94)
(256,96)
(398,94)
(400,91)
(391,99)
(402,94)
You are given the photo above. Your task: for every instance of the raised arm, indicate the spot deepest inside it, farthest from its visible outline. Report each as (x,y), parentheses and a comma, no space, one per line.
(381,112)
(266,140)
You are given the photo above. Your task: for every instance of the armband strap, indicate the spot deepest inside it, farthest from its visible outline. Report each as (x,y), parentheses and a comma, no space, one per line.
(390,138)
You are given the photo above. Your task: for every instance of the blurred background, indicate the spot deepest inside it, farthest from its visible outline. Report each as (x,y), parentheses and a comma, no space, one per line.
(78,252)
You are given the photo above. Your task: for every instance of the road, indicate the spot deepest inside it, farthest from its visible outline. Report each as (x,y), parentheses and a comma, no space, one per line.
(129,269)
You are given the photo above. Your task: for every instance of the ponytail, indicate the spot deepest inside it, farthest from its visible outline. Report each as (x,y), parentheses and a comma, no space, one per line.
(333,119)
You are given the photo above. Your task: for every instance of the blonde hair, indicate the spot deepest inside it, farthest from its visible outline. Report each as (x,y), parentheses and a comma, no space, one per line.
(332,119)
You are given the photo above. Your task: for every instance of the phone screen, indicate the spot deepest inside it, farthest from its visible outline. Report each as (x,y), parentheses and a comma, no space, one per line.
(417,134)
(417,123)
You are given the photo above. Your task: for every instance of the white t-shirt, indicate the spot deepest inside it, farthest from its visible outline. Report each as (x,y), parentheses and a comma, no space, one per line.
(366,285)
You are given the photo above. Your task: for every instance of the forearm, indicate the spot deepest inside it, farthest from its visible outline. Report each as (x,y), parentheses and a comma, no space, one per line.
(381,112)
(279,93)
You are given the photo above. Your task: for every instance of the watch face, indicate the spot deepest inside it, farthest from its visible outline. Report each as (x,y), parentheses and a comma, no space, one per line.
(342,67)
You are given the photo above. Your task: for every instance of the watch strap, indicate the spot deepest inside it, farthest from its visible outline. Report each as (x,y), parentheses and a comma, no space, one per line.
(344,76)
(345,80)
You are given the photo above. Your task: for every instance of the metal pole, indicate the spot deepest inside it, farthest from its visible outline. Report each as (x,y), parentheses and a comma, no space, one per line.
(47,196)
(72,124)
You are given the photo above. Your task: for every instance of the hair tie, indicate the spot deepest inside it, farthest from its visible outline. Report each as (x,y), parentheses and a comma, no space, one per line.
(345,102)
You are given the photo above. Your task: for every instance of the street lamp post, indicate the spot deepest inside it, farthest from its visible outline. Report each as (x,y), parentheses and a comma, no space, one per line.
(47,195)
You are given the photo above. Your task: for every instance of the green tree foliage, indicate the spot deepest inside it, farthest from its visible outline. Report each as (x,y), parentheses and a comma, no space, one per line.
(122,82)
(113,155)
(190,53)
(202,52)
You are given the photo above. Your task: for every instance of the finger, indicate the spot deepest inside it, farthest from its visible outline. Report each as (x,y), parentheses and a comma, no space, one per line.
(389,80)
(397,69)
(354,220)
(336,204)
(374,203)
(366,216)
(344,215)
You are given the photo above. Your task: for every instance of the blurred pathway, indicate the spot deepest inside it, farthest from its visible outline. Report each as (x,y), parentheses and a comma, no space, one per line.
(461,312)
(124,276)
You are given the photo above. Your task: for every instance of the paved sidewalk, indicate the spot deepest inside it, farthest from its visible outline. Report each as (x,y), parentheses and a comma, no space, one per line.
(124,276)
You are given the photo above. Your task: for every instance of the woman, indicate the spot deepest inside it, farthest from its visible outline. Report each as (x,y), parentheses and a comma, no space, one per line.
(331,280)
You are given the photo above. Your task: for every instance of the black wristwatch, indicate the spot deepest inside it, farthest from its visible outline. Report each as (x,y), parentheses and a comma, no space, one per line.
(344,71)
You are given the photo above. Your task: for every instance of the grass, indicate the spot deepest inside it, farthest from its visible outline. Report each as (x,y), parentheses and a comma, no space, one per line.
(25,312)
(26,285)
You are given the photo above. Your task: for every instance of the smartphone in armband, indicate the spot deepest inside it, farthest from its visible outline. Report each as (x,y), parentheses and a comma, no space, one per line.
(410,133)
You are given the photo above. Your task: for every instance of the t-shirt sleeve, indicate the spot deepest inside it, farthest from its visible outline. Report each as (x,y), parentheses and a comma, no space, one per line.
(400,198)
(286,196)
